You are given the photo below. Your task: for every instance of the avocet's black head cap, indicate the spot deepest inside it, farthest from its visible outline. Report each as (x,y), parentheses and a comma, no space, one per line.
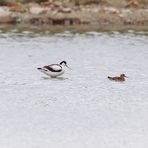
(63,62)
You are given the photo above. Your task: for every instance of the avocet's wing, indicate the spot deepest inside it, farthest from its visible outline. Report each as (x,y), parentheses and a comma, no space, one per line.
(53,68)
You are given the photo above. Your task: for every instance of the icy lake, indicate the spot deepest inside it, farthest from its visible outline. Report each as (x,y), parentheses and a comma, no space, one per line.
(83,109)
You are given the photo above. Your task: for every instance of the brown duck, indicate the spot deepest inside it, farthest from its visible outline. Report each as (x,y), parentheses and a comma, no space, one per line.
(120,78)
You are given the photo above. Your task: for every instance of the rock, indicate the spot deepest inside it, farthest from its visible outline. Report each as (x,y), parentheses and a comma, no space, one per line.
(4,11)
(111,10)
(7,20)
(18,8)
(46,4)
(57,4)
(65,10)
(132,3)
(37,10)
(5,15)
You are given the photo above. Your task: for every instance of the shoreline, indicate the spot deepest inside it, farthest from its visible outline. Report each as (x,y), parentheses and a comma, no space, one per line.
(73,28)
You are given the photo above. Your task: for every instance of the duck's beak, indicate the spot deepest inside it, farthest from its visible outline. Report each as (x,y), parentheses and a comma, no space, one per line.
(126,76)
(68,67)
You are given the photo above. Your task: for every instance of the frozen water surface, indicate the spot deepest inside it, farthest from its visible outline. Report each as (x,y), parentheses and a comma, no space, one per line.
(83,109)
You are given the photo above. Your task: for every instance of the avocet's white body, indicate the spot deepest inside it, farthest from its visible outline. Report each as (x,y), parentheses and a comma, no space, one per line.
(54,70)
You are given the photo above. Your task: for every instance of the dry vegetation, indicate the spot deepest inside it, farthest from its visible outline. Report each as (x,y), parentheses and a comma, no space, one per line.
(116,3)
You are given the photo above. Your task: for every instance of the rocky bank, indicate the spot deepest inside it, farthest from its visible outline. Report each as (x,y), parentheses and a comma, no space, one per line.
(58,14)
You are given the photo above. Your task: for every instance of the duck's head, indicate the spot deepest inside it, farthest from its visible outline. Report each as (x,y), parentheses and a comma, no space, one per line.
(123,76)
(64,63)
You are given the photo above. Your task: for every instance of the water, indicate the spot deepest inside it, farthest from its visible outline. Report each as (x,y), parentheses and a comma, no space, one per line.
(83,109)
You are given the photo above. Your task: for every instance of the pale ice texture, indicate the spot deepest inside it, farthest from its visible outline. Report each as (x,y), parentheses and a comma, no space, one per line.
(82,109)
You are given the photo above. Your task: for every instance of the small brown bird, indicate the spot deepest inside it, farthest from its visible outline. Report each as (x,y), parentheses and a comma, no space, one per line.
(121,78)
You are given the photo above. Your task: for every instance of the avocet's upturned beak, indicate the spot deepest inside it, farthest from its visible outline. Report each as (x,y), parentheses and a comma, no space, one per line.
(68,67)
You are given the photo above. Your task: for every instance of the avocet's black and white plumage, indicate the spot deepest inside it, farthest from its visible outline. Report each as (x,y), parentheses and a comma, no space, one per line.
(54,70)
